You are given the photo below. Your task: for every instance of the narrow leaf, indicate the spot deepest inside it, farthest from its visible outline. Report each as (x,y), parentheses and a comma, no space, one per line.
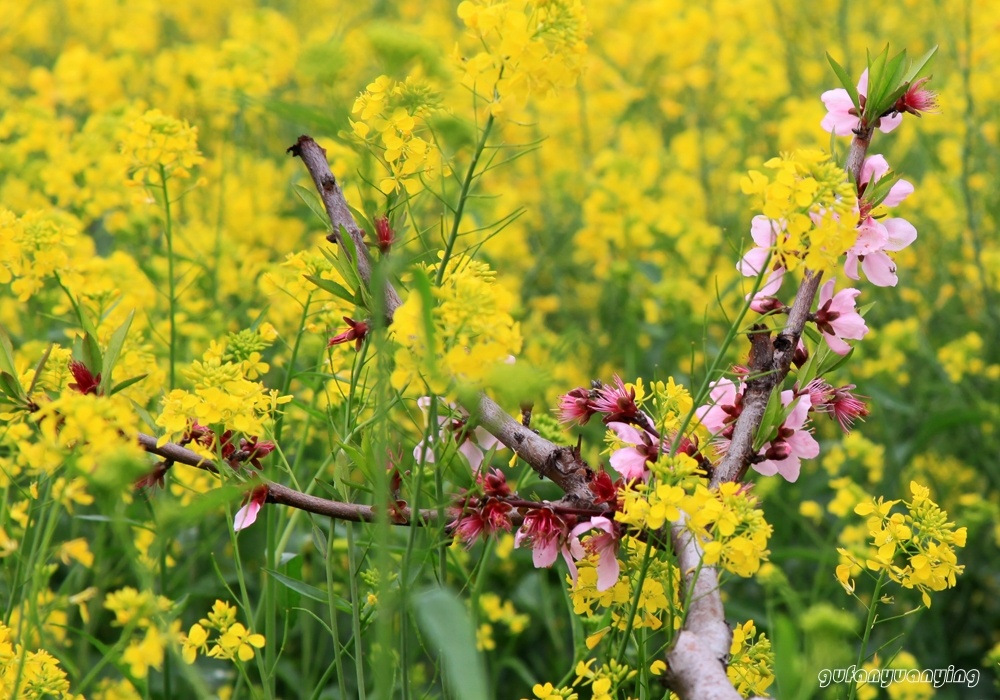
(448,628)
(312,200)
(918,66)
(332,287)
(42,361)
(309,591)
(846,81)
(113,350)
(125,384)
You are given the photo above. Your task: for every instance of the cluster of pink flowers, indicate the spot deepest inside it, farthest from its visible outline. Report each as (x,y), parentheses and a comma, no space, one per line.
(548,530)
(783,454)
(836,317)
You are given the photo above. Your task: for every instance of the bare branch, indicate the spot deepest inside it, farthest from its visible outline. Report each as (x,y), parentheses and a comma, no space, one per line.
(562,465)
(290,497)
(770,366)
(314,156)
(696,662)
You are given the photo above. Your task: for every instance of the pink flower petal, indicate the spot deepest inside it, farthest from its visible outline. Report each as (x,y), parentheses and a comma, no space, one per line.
(880,270)
(544,554)
(246,516)
(629,463)
(901,233)
(874,168)
(898,192)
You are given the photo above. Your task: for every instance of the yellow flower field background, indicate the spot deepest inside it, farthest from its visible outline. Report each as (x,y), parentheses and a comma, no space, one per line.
(566,175)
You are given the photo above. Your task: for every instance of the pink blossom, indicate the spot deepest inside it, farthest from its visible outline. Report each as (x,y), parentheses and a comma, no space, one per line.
(604,490)
(724,409)
(356,331)
(873,169)
(544,531)
(917,99)
(874,239)
(494,483)
(793,443)
(384,233)
(247,515)
(842,405)
(877,237)
(576,406)
(842,117)
(837,319)
(764,233)
(86,382)
(604,545)
(630,462)
(481,518)
(617,401)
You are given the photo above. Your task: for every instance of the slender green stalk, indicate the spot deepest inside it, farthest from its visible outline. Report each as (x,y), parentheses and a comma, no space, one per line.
(332,603)
(270,599)
(171,292)
(279,423)
(634,605)
(869,625)
(359,653)
(462,198)
(248,611)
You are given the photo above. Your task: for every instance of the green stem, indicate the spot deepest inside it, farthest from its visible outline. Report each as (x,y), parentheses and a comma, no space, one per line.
(869,625)
(332,603)
(634,606)
(462,198)
(353,565)
(171,296)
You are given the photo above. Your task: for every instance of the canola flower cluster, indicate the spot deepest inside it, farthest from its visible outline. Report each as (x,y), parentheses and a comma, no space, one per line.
(387,115)
(232,639)
(35,674)
(159,147)
(469,334)
(811,199)
(527,48)
(915,549)
(225,394)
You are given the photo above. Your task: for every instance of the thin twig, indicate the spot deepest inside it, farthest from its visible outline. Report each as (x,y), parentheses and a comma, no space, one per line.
(562,465)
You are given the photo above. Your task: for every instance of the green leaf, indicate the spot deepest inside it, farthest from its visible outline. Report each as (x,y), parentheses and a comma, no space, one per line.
(10,387)
(39,367)
(309,591)
(6,352)
(846,81)
(112,352)
(421,284)
(787,667)
(362,221)
(87,351)
(332,287)
(311,199)
(918,66)
(876,73)
(145,415)
(770,420)
(836,362)
(446,624)
(125,384)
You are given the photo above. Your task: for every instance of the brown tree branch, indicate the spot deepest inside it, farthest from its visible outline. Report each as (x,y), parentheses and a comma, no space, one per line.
(770,366)
(562,465)
(283,495)
(696,662)
(314,156)
(697,659)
